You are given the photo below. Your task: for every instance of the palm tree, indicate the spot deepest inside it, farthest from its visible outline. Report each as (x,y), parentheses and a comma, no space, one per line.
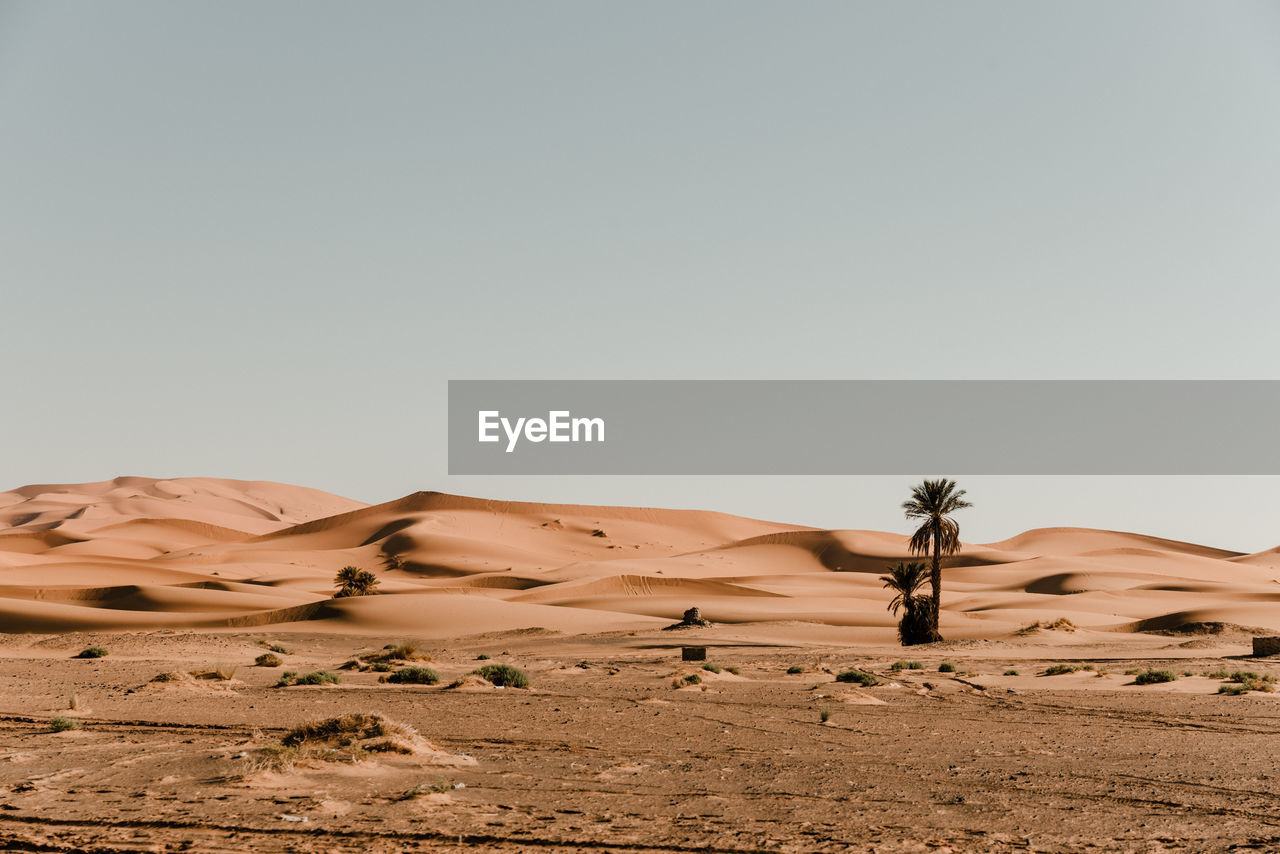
(904,580)
(354,581)
(934,501)
(392,561)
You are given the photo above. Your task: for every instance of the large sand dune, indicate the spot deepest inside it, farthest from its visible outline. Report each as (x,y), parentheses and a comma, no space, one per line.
(136,552)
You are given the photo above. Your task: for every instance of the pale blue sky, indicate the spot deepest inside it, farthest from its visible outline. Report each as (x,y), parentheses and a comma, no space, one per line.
(254,240)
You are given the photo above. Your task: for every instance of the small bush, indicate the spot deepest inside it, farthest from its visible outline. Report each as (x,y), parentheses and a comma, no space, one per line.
(272,646)
(734,670)
(946,667)
(1243,676)
(318,677)
(413,676)
(598,533)
(92,652)
(1220,673)
(1060,669)
(906,665)
(437,788)
(220,673)
(61,724)
(1011,673)
(1233,690)
(381,667)
(504,674)
(691,679)
(712,668)
(1152,677)
(794,669)
(268,659)
(858,677)
(825,714)
(484,656)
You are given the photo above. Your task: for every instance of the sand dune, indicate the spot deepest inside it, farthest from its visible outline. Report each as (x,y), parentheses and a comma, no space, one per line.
(135,553)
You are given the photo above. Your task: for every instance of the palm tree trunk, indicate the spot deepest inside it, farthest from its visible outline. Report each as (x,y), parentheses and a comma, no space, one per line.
(935,580)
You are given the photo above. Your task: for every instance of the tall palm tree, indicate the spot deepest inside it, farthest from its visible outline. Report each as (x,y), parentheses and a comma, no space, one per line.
(939,536)
(354,581)
(905,580)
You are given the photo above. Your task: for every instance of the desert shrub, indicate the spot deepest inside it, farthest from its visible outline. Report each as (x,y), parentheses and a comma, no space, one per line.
(272,646)
(598,533)
(91,652)
(439,787)
(484,656)
(1220,673)
(413,676)
(906,665)
(1247,680)
(351,736)
(318,677)
(1011,673)
(794,669)
(734,670)
(504,674)
(219,672)
(858,677)
(61,724)
(1060,624)
(1243,676)
(1060,669)
(1152,677)
(1232,689)
(382,667)
(353,581)
(711,667)
(946,667)
(268,659)
(825,715)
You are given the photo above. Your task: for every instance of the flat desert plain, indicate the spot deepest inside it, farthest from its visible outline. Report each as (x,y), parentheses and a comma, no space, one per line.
(1027,729)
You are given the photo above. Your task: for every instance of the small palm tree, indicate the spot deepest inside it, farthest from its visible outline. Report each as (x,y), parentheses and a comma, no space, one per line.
(354,581)
(916,623)
(392,561)
(934,501)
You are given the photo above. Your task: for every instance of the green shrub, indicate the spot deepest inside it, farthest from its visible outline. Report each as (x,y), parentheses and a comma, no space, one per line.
(946,667)
(858,677)
(268,659)
(92,652)
(484,656)
(61,724)
(734,670)
(710,667)
(1011,673)
(413,676)
(825,714)
(1060,669)
(504,674)
(794,669)
(1152,677)
(1233,690)
(318,677)
(906,665)
(381,667)
(1249,676)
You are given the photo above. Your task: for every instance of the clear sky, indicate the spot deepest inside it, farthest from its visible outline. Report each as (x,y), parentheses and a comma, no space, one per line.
(254,240)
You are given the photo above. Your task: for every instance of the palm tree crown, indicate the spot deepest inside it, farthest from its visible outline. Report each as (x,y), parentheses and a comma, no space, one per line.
(354,581)
(904,580)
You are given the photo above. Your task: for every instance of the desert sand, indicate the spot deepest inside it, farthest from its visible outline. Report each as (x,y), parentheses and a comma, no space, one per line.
(611,747)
